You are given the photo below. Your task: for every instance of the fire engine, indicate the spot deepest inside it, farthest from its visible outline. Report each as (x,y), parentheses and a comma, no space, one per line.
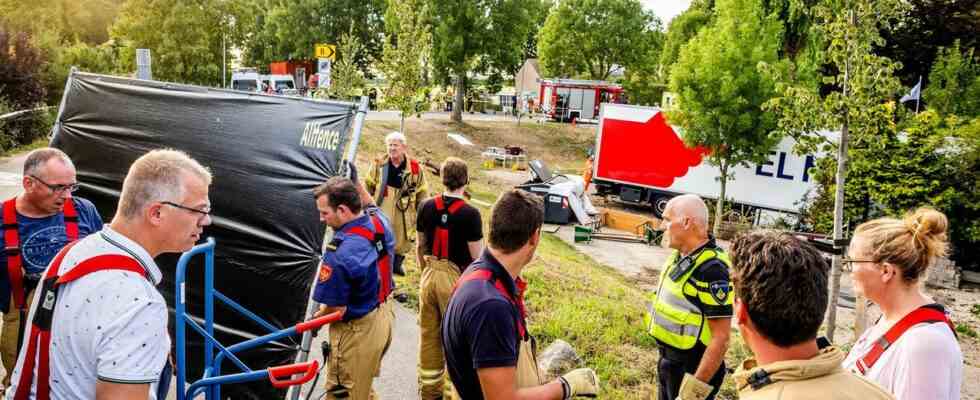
(568,100)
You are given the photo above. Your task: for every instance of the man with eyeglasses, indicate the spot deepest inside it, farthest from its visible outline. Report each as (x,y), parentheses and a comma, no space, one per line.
(98,324)
(691,312)
(36,225)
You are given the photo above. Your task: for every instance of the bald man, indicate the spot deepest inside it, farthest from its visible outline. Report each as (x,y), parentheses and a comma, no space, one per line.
(690,314)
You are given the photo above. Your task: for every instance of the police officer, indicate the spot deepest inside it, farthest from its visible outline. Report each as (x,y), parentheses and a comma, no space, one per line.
(691,312)
(37,224)
(489,352)
(782,330)
(450,238)
(397,184)
(355,279)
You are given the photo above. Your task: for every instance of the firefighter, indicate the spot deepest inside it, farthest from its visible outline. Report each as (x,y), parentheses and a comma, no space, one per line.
(781,330)
(450,238)
(37,224)
(489,352)
(355,279)
(690,315)
(397,183)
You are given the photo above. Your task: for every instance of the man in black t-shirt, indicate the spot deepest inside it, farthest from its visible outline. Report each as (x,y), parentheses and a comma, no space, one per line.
(450,236)
(489,352)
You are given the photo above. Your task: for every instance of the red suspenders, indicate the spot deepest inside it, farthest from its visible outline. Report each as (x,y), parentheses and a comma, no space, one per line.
(440,240)
(39,341)
(486,275)
(924,314)
(377,238)
(11,238)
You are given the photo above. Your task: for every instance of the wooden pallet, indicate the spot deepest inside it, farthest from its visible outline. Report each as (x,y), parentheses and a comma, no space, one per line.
(626,221)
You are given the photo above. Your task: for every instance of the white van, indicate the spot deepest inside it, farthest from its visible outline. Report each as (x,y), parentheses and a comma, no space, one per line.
(247,80)
(280,84)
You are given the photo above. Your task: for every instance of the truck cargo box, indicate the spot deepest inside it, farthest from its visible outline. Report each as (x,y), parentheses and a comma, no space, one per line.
(641,158)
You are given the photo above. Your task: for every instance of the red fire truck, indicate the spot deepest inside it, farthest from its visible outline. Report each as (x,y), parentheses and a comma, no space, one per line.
(570,99)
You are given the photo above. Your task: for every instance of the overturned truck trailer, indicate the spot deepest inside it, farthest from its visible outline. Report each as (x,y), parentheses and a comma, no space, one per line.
(267,153)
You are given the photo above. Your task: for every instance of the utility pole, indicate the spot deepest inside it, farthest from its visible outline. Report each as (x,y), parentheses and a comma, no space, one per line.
(224,62)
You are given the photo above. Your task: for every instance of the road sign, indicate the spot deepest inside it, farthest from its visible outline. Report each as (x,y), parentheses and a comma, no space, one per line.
(327,51)
(143,69)
(324,66)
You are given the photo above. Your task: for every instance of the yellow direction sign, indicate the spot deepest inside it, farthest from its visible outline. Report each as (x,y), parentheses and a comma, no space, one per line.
(327,51)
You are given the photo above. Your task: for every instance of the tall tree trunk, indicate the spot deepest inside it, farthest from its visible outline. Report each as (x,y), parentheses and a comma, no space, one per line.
(402,127)
(458,98)
(835,269)
(720,204)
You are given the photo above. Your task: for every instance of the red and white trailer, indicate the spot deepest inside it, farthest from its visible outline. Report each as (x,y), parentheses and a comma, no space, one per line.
(570,99)
(642,159)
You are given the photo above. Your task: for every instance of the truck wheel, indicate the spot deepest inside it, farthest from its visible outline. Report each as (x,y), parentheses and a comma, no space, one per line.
(659,205)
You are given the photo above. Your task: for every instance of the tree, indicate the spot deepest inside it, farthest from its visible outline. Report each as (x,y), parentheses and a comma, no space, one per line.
(286,30)
(60,26)
(539,10)
(721,90)
(932,160)
(477,35)
(683,28)
(856,100)
(346,78)
(85,21)
(408,43)
(914,37)
(645,81)
(595,37)
(184,37)
(20,86)
(954,82)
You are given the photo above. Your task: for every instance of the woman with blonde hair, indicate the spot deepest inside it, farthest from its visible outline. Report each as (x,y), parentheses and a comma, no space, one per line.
(911,350)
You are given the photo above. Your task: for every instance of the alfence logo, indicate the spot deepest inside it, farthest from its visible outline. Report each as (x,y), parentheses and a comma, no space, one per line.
(315,136)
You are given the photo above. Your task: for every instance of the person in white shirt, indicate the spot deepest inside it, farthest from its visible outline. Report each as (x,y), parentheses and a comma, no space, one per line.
(887,258)
(109,327)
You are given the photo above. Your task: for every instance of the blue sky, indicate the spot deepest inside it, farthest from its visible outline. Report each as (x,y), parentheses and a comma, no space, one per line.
(666,9)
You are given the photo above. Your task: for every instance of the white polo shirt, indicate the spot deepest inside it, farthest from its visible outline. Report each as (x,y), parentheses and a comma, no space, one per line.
(108,325)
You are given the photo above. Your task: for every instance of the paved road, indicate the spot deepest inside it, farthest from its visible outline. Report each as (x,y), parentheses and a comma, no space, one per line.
(11,174)
(399,379)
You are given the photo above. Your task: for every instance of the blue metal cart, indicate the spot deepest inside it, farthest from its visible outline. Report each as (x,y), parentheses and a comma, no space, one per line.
(210,383)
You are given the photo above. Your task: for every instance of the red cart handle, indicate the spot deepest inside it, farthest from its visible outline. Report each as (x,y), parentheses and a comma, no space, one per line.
(308,369)
(316,323)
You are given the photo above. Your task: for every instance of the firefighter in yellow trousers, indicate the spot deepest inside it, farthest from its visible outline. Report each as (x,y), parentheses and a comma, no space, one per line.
(450,238)
(397,183)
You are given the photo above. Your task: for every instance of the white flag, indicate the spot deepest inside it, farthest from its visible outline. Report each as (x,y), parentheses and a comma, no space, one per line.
(914,94)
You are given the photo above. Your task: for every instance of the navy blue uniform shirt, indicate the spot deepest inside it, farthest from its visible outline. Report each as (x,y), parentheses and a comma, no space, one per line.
(349,274)
(41,239)
(480,328)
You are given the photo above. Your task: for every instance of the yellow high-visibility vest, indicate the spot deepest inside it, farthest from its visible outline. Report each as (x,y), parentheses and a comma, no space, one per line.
(672,318)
